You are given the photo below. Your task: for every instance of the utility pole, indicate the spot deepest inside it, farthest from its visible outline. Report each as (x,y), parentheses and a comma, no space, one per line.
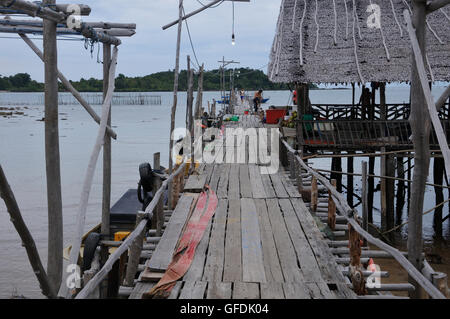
(223,88)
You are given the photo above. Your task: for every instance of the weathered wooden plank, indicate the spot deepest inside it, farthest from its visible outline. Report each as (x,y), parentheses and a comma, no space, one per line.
(328,267)
(245,290)
(320,291)
(233,252)
(222,191)
(305,254)
(268,187)
(286,251)
(252,255)
(163,253)
(219,290)
(193,290)
(256,182)
(244,180)
(216,250)
(215,177)
(196,183)
(233,185)
(295,291)
(140,289)
(272,290)
(175,290)
(278,186)
(290,188)
(271,261)
(195,271)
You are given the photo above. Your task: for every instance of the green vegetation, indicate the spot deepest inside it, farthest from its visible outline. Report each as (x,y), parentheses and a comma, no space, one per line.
(246,78)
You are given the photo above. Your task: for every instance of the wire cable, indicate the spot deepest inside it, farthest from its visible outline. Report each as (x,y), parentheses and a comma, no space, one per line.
(190,40)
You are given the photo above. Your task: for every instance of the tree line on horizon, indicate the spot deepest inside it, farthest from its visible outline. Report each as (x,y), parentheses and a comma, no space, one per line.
(244,78)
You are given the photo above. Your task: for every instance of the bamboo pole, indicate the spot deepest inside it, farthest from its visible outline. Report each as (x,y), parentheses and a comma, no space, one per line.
(175,96)
(27,239)
(81,216)
(53,169)
(69,87)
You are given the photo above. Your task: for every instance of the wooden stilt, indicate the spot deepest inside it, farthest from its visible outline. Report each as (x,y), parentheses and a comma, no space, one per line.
(54,198)
(350,180)
(438,178)
(371,188)
(400,203)
(332,208)
(364,198)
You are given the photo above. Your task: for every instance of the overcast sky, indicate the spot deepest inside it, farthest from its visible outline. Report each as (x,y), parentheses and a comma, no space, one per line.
(152,49)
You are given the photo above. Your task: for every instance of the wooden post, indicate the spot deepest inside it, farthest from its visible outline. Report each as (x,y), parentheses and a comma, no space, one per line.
(332,208)
(159,212)
(371,188)
(199,101)
(135,253)
(420,126)
(314,194)
(365,206)
(54,198)
(175,95)
(190,112)
(441,282)
(400,202)
(28,242)
(106,203)
(438,179)
(298,175)
(350,180)
(336,165)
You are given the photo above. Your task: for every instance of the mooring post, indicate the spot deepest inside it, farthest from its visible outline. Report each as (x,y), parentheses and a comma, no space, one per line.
(53,169)
(332,208)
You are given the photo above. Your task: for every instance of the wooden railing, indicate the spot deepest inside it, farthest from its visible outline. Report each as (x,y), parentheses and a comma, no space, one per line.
(148,215)
(351,216)
(357,134)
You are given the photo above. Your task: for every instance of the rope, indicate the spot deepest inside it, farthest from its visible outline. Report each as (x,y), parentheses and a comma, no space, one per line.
(346,18)
(354,44)
(335,23)
(425,213)
(293,15)
(317,27)
(301,34)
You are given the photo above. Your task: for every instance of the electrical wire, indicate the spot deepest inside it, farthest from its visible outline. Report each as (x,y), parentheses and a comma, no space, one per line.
(214,6)
(190,40)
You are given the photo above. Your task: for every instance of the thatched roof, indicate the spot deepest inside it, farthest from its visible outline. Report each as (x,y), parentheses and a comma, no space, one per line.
(360,53)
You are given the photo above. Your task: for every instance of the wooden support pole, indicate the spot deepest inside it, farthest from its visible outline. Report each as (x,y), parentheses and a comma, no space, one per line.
(314,194)
(400,202)
(371,188)
(175,96)
(53,169)
(28,242)
(438,177)
(298,175)
(87,184)
(356,269)
(191,114)
(350,181)
(106,202)
(332,208)
(199,101)
(135,253)
(420,126)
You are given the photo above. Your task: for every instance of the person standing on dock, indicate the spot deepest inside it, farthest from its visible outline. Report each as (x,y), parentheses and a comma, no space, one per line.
(257,100)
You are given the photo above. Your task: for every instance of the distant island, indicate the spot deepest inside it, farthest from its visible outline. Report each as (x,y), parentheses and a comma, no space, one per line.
(246,78)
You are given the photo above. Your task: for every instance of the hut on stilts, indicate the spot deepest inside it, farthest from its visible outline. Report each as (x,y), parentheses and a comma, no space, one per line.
(371,43)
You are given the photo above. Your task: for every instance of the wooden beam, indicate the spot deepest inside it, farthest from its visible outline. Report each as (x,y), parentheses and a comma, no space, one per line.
(69,87)
(27,239)
(52,156)
(442,99)
(81,215)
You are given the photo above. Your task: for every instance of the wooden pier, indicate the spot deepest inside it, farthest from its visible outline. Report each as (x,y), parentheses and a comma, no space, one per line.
(262,242)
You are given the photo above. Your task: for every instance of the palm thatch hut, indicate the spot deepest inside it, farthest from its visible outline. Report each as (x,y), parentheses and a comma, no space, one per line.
(353,41)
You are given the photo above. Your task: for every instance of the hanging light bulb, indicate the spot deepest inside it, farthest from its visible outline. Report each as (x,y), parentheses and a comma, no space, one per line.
(233,40)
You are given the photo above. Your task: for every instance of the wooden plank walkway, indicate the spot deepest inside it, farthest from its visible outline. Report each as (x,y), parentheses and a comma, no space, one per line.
(262,242)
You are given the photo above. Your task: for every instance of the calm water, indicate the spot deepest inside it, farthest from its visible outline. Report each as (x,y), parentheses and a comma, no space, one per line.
(142,131)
